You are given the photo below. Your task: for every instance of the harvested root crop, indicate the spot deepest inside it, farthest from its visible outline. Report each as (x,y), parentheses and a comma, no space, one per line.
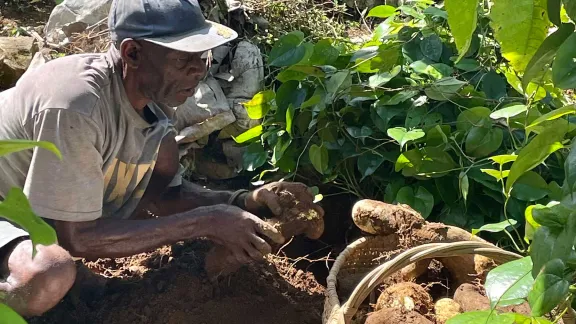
(396,316)
(471,298)
(406,295)
(376,217)
(445,309)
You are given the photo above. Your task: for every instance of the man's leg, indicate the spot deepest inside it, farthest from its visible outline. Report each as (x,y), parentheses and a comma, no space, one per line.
(32,286)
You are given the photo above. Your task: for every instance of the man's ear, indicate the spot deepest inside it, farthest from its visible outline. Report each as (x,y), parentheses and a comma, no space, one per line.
(131,53)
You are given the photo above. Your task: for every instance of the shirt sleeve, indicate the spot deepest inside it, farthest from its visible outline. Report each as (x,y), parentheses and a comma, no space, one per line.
(70,189)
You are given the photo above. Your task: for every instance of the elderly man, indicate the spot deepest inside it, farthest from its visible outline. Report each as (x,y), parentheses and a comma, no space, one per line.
(110,116)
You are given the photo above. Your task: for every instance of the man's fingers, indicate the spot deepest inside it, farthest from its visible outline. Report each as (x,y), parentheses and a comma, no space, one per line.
(270,199)
(266,229)
(252,251)
(240,255)
(261,245)
(300,190)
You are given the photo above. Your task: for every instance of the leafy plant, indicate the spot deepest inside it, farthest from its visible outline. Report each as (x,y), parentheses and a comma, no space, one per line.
(16,208)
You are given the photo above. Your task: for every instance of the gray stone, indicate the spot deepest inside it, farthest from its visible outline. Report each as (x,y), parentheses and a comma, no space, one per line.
(89,12)
(15,56)
(234,154)
(248,70)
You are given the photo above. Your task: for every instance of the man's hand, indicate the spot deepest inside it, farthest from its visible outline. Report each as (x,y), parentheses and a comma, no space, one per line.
(267,197)
(240,232)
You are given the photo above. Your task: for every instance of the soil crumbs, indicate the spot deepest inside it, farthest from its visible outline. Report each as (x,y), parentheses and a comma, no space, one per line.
(168,285)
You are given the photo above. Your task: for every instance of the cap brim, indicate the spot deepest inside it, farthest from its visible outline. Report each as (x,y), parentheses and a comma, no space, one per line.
(201,40)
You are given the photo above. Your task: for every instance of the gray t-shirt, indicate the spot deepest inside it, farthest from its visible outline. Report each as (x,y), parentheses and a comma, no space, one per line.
(109,151)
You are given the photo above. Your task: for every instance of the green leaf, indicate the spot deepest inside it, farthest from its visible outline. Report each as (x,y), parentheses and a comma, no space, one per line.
(324,53)
(339,81)
(368,163)
(464,185)
(554,12)
(496,227)
(289,119)
(519,34)
(288,50)
(401,97)
(259,106)
(554,114)
(17,209)
(564,66)
(539,148)
(570,7)
(530,187)
(444,89)
(496,173)
(428,162)
(482,141)
(289,93)
(254,157)
(431,47)
(509,111)
(379,79)
(402,136)
(473,117)
(468,65)
(436,12)
(410,11)
(494,85)
(544,56)
(279,149)
(383,11)
(422,200)
(481,317)
(550,288)
(319,157)
(509,283)
(16,145)
(358,132)
(503,159)
(462,19)
(9,316)
(249,134)
(552,243)
(570,170)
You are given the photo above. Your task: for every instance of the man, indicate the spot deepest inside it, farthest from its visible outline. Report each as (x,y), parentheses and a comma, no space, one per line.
(109,114)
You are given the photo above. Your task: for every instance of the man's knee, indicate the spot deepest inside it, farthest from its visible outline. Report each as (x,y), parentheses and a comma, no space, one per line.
(36,285)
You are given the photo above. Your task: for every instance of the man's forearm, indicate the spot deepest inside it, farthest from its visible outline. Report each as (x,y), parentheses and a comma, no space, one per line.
(111,238)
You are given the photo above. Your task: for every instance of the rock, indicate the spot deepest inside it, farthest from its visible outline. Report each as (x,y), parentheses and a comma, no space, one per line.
(234,154)
(242,119)
(219,54)
(212,169)
(206,112)
(89,12)
(15,56)
(248,70)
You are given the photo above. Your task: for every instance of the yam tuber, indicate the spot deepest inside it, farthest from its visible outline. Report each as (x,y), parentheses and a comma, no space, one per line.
(406,295)
(376,217)
(471,298)
(445,309)
(396,316)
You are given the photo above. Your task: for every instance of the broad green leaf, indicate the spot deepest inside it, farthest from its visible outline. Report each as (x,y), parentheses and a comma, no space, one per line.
(386,58)
(554,114)
(570,170)
(564,66)
(546,53)
(410,11)
(401,97)
(383,11)
(482,317)
(482,141)
(254,157)
(379,79)
(468,65)
(473,117)
(289,93)
(431,47)
(436,12)
(279,149)
(402,136)
(496,173)
(444,89)
(530,187)
(319,157)
(324,53)
(17,209)
(494,85)
(520,34)
(554,11)
(537,150)
(289,119)
(509,111)
(288,50)
(509,283)
(421,200)
(549,244)
(9,316)
(16,145)
(249,134)
(503,159)
(464,185)
(462,19)
(554,216)
(359,132)
(438,135)
(300,72)
(496,227)
(291,75)
(368,163)
(260,104)
(339,81)
(570,6)
(550,288)
(531,224)
(428,162)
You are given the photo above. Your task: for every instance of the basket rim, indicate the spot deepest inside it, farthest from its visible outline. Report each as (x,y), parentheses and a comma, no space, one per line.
(381,272)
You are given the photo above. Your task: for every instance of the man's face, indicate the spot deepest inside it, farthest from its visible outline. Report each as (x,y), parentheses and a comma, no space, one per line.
(168,76)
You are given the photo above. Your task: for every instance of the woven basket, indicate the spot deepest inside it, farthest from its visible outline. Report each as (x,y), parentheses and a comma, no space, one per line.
(337,313)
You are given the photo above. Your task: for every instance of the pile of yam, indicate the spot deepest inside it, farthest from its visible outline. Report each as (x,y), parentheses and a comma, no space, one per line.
(408,297)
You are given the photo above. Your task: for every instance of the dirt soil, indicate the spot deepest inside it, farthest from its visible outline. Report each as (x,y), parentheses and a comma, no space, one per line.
(168,286)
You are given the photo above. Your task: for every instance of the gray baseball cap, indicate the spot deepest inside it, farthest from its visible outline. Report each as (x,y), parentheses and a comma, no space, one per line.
(176,24)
